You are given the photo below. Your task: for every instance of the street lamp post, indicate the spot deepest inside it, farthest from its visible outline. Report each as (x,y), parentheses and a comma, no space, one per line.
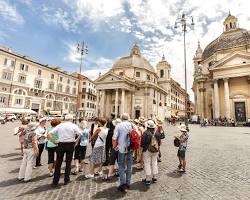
(183,21)
(83,50)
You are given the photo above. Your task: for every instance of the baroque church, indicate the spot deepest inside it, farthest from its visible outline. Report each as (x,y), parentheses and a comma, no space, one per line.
(134,86)
(222,75)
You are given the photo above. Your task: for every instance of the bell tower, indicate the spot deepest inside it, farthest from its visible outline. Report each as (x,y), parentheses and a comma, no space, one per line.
(163,72)
(230,23)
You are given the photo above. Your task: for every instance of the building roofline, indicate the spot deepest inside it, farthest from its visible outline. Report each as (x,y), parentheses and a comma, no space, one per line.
(32,61)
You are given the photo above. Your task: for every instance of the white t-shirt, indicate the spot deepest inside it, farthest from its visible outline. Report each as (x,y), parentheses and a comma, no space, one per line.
(40,133)
(101,139)
(67,132)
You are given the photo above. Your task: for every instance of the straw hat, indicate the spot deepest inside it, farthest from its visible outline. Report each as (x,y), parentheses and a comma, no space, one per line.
(182,127)
(83,124)
(150,124)
(42,119)
(159,122)
(116,121)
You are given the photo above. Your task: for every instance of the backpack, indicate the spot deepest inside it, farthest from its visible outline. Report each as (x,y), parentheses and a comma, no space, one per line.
(177,142)
(153,145)
(134,140)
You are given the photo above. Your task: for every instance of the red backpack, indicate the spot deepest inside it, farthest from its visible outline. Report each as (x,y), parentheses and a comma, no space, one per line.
(134,140)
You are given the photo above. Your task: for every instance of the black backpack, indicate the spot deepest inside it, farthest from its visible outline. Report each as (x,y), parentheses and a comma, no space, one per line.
(177,142)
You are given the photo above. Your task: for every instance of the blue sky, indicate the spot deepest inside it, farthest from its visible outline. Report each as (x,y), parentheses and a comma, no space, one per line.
(49,30)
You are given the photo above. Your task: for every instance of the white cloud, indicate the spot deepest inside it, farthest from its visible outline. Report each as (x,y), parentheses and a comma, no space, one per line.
(93,74)
(10,13)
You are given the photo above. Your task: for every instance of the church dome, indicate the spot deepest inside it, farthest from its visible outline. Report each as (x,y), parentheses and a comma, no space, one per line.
(232,37)
(133,60)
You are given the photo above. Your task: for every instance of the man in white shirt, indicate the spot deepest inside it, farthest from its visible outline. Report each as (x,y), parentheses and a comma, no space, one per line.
(67,133)
(41,136)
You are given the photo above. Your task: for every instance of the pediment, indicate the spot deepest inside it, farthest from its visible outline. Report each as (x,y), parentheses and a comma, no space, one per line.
(110,77)
(235,58)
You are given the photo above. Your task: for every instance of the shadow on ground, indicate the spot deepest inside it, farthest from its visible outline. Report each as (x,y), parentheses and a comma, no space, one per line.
(15,181)
(9,155)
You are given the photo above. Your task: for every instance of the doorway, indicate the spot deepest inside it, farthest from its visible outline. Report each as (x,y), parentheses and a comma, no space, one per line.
(35,107)
(137,114)
(240,111)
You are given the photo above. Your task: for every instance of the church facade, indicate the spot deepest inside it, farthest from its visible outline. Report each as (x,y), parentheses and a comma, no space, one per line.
(133,85)
(222,75)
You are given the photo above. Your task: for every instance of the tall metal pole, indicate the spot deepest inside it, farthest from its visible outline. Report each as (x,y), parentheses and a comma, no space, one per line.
(183,22)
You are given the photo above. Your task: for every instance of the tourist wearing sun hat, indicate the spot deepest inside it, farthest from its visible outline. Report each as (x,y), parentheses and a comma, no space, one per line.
(41,138)
(183,138)
(149,158)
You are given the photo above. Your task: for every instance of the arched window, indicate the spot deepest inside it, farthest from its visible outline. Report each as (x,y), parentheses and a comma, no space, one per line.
(50,96)
(20,92)
(161,73)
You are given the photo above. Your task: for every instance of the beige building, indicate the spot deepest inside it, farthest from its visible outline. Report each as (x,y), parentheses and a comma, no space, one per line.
(222,74)
(177,99)
(86,97)
(133,85)
(25,83)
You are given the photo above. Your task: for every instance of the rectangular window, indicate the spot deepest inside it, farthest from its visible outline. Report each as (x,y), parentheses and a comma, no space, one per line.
(68,81)
(2,99)
(82,104)
(75,83)
(137,74)
(87,104)
(24,67)
(84,83)
(19,101)
(61,79)
(8,62)
(52,76)
(51,86)
(74,91)
(38,84)
(39,72)
(22,79)
(7,75)
(59,88)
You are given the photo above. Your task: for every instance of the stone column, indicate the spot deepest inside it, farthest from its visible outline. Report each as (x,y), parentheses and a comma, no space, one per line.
(202,110)
(123,102)
(146,103)
(97,103)
(132,114)
(116,102)
(198,100)
(102,107)
(226,98)
(216,100)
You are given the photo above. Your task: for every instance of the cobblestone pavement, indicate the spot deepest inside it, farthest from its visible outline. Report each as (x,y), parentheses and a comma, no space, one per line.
(218,168)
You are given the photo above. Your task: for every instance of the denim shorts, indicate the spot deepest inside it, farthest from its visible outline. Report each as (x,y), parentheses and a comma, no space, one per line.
(181,154)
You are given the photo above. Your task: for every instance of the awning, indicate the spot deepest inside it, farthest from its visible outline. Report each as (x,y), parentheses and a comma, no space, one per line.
(54,112)
(17,111)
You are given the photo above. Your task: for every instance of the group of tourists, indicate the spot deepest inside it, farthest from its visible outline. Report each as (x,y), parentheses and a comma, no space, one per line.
(116,145)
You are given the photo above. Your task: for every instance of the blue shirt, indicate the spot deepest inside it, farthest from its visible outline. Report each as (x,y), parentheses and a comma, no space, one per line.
(121,134)
(85,137)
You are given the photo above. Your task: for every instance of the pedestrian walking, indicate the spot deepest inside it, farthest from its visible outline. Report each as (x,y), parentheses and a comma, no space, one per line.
(108,145)
(149,155)
(141,129)
(52,144)
(81,147)
(93,128)
(41,136)
(67,132)
(183,139)
(114,155)
(121,141)
(20,131)
(98,156)
(30,151)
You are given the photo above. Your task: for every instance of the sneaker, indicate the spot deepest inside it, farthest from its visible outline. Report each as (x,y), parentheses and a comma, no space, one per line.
(181,170)
(90,176)
(158,160)
(146,182)
(127,186)
(98,173)
(179,166)
(51,174)
(34,167)
(154,180)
